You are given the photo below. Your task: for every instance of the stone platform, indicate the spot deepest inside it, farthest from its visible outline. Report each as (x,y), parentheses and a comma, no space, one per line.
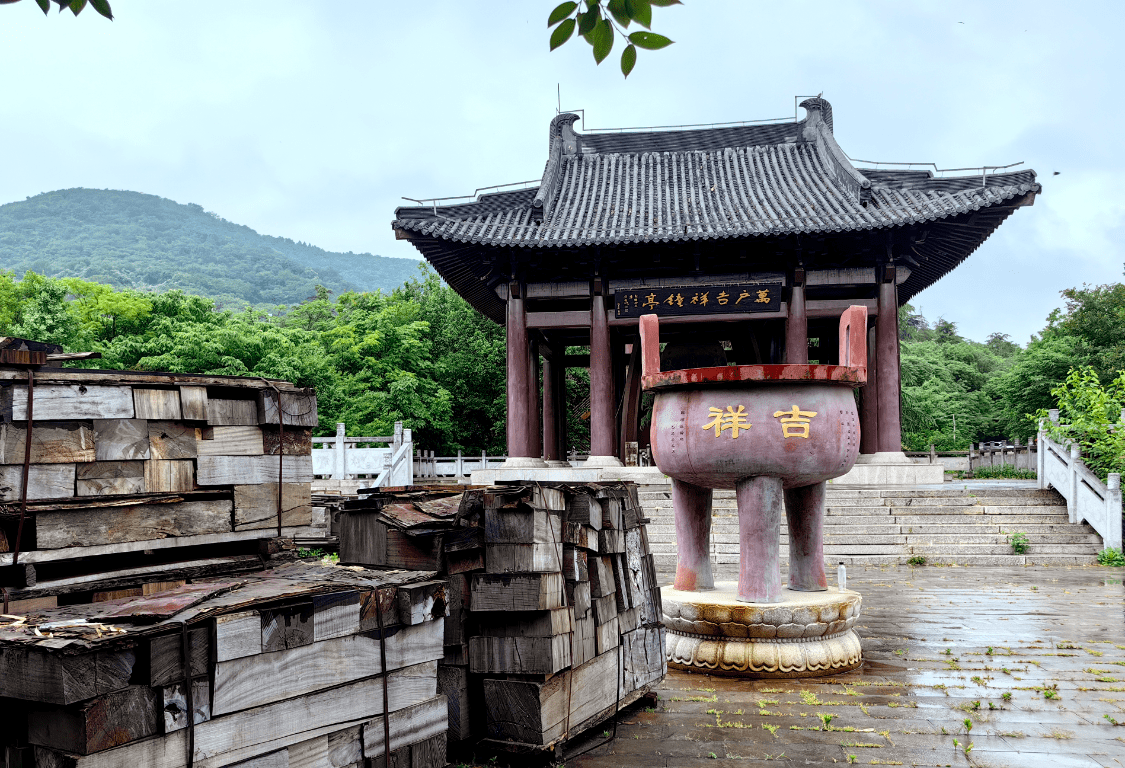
(809,634)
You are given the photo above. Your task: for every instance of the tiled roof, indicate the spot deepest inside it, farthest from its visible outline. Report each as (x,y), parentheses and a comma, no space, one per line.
(708,184)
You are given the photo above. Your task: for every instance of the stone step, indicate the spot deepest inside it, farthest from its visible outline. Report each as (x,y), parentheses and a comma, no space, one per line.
(1000,549)
(666,564)
(1007,520)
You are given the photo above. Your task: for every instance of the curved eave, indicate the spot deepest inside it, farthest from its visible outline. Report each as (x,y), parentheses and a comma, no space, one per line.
(889,209)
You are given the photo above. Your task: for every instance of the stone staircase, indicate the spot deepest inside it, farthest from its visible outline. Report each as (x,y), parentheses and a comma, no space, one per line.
(955,525)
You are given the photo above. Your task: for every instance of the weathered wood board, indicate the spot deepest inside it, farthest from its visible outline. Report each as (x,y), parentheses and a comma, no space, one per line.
(290,626)
(607,636)
(578,595)
(60,442)
(193,403)
(169,440)
(517,592)
(536,712)
(156,404)
(174,476)
(583,645)
(298,408)
(583,508)
(409,725)
(335,615)
(453,683)
(523,558)
(601,575)
(139,522)
(298,440)
(32,674)
(104,478)
(252,681)
(222,741)
(166,661)
(175,704)
(238,635)
(231,441)
(67,402)
(559,621)
(120,439)
(519,655)
(252,470)
(231,413)
(521,525)
(102,723)
(44,481)
(255,506)
(644,659)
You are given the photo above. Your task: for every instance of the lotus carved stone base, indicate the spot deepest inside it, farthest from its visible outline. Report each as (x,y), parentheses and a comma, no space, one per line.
(809,634)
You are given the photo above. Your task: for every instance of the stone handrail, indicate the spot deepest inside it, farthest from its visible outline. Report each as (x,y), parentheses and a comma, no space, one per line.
(1087,498)
(392,465)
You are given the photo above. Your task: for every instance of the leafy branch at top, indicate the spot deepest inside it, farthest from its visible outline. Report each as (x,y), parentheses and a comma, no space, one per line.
(75,6)
(596,22)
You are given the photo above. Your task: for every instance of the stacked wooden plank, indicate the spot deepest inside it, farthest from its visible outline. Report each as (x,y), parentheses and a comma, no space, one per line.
(298,666)
(132,471)
(555,616)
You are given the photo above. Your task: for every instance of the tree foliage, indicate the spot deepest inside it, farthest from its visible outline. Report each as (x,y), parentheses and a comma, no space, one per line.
(598,23)
(74,6)
(1090,414)
(419,354)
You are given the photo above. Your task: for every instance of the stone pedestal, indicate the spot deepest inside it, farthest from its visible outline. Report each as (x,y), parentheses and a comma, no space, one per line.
(808,634)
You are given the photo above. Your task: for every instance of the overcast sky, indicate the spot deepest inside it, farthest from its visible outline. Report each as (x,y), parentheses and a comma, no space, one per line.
(310,119)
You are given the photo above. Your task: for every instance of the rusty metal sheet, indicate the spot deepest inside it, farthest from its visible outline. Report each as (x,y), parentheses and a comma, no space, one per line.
(164,605)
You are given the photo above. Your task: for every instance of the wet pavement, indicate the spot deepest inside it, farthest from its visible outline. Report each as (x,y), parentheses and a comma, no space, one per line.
(1019,667)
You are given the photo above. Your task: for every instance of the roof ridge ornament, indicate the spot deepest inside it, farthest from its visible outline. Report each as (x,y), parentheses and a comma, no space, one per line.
(562,141)
(818,109)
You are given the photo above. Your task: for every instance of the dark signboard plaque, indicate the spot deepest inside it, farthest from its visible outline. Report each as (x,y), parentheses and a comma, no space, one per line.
(698,300)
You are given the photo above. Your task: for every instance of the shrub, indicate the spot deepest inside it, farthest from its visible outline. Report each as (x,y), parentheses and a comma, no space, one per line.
(1019,542)
(1111,556)
(1004,471)
(916,560)
(1087,411)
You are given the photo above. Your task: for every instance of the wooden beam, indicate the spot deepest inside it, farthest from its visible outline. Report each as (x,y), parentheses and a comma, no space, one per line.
(102,723)
(579,318)
(156,404)
(193,403)
(139,522)
(227,740)
(66,402)
(33,674)
(46,556)
(120,439)
(252,470)
(231,441)
(61,442)
(251,681)
(44,481)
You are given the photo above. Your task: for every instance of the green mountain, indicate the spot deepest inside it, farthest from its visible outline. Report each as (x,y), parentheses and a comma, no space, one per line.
(145,242)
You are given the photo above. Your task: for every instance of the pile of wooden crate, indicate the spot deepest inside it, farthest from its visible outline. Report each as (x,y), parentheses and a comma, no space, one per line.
(298,666)
(154,477)
(554,608)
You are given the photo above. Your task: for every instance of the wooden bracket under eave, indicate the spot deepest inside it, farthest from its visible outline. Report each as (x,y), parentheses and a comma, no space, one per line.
(402,234)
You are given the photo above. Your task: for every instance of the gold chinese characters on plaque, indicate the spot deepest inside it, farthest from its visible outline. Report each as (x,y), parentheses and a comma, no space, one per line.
(698,300)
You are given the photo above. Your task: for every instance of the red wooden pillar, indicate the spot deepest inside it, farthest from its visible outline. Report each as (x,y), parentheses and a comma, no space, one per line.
(869,400)
(550,403)
(797,326)
(534,445)
(889,392)
(519,443)
(602,421)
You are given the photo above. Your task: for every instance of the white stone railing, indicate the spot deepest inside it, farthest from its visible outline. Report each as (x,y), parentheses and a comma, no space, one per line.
(1087,498)
(341,458)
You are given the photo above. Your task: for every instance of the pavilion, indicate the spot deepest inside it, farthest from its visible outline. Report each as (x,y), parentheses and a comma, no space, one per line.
(754,235)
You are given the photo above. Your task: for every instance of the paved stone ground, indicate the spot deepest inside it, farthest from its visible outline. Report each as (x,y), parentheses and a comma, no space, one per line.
(1019,667)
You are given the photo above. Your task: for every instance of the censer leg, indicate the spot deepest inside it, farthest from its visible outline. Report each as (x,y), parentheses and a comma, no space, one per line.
(759,528)
(804,510)
(692,507)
